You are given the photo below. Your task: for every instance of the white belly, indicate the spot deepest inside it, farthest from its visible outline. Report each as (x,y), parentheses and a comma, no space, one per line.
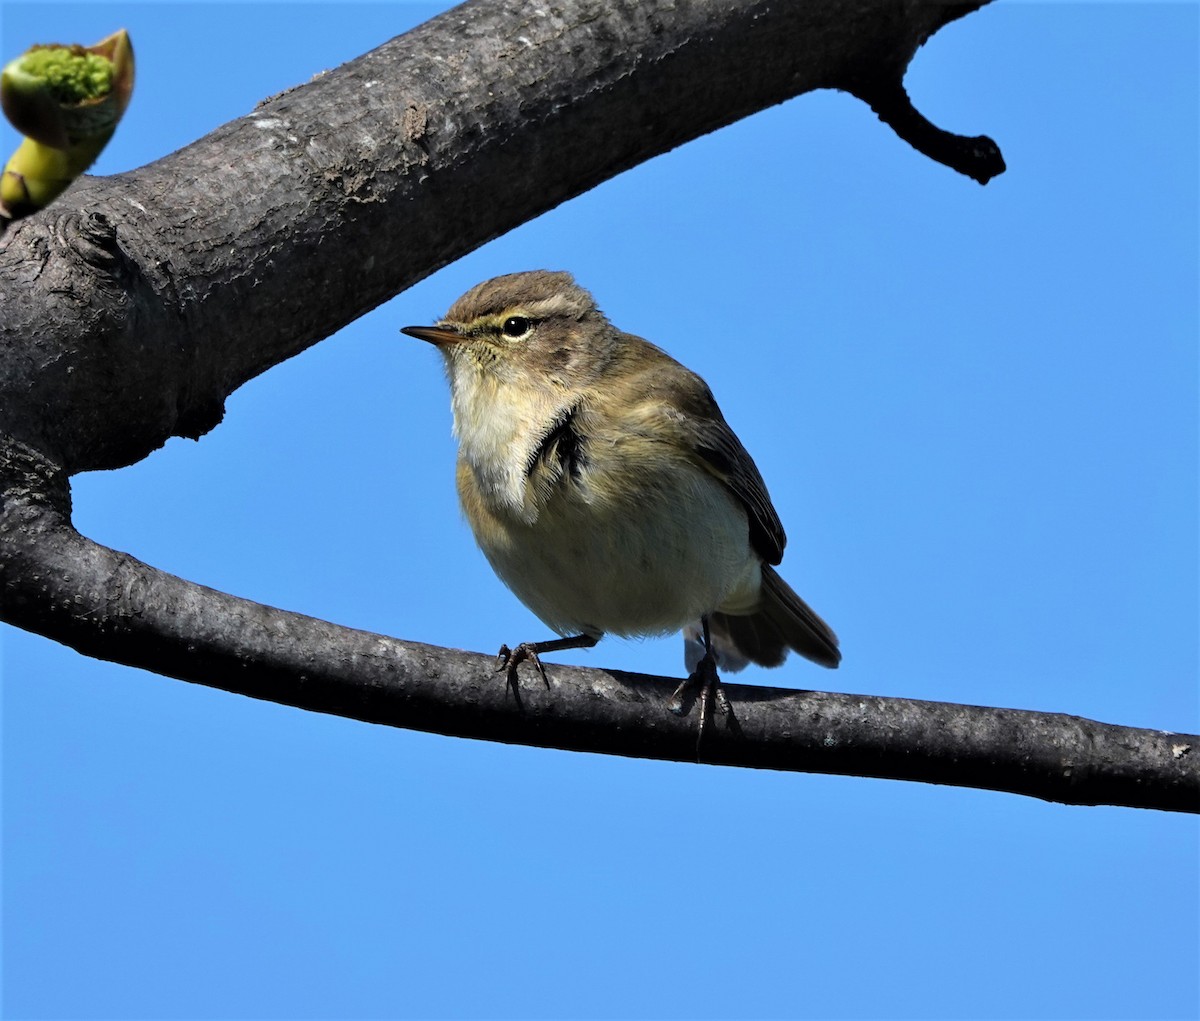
(675,546)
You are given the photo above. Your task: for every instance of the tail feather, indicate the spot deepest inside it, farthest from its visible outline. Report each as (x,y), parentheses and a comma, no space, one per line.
(782,622)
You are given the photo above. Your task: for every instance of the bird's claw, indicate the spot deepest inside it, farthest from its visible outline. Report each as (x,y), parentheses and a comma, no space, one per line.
(705,678)
(509,660)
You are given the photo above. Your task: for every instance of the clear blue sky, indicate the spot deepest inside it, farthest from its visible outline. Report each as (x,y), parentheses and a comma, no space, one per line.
(976,411)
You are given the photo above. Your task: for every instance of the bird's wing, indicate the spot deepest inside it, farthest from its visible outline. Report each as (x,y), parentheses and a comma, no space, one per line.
(720,451)
(701,428)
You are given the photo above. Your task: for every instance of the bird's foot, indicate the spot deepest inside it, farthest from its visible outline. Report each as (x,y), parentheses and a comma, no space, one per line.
(705,681)
(509,660)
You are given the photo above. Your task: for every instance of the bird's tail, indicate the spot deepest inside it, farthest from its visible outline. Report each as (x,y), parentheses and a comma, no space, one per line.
(782,622)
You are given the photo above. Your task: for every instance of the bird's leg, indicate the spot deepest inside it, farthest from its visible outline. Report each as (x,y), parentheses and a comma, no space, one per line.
(509,659)
(709,682)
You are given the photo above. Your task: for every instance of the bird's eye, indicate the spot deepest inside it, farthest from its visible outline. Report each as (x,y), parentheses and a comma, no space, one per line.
(516,326)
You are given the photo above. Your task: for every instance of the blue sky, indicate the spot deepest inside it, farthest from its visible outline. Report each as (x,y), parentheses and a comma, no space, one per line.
(976,411)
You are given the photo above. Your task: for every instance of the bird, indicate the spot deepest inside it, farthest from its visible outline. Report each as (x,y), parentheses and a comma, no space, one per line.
(607,491)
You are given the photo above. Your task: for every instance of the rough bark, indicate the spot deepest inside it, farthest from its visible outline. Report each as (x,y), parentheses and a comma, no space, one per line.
(132,308)
(136,304)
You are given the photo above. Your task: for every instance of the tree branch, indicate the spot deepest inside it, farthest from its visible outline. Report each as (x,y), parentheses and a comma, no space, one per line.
(138,303)
(107,604)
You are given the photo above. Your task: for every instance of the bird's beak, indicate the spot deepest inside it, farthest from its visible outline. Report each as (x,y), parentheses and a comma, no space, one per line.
(439,335)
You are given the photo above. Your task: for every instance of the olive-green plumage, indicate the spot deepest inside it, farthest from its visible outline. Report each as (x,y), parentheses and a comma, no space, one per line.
(603,483)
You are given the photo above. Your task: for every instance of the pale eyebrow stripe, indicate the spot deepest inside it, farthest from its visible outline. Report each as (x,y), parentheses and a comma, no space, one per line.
(542,308)
(554,305)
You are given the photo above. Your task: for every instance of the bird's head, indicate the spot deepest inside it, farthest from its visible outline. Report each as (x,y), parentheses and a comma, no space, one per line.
(531,330)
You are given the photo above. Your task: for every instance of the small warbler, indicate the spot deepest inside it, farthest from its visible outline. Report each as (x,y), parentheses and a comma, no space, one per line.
(605,487)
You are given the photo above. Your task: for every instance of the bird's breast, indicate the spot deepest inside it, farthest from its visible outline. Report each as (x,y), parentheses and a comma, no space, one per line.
(501,431)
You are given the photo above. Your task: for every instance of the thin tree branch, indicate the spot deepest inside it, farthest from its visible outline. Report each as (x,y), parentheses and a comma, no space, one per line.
(107,604)
(977,156)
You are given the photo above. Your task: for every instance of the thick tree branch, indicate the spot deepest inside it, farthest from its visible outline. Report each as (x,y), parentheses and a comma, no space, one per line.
(134,306)
(109,605)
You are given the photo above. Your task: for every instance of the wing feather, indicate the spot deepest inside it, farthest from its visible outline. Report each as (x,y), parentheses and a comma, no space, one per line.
(700,427)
